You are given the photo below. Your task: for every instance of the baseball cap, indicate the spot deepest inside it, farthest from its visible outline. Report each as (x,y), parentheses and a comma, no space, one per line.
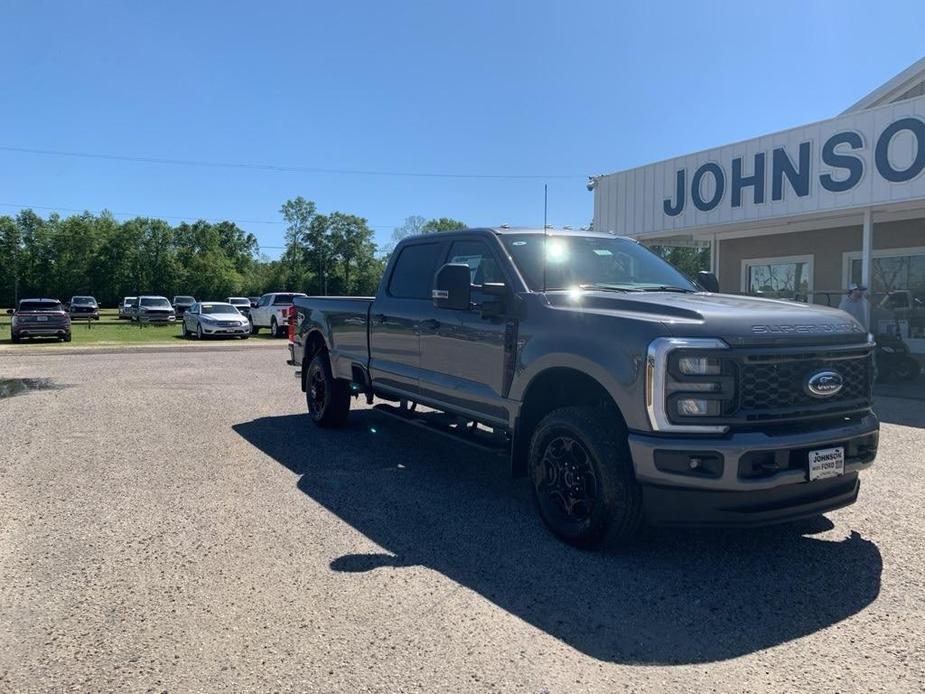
(855,285)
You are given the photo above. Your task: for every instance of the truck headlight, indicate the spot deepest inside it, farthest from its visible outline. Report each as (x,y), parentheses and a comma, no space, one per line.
(684,382)
(698,407)
(700,366)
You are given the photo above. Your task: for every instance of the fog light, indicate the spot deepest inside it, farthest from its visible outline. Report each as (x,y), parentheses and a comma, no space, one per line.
(699,366)
(698,407)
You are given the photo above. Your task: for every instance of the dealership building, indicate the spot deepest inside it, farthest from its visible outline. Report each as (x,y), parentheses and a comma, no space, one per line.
(802,213)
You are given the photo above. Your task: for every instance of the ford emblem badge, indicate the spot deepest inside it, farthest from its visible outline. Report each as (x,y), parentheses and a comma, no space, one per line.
(824,384)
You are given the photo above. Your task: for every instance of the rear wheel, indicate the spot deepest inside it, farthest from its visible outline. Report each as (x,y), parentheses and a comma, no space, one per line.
(583,481)
(328,398)
(274,328)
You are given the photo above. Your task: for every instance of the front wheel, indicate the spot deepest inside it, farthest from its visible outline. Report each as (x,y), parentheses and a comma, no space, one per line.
(199,331)
(582,476)
(328,398)
(67,337)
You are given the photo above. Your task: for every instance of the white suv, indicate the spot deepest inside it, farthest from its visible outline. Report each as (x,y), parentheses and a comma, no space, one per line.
(272,311)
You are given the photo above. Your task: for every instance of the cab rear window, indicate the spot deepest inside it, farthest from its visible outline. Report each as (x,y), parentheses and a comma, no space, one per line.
(40,306)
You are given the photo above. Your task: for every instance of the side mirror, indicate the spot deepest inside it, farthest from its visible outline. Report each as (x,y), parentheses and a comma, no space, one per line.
(10,311)
(708,281)
(452,288)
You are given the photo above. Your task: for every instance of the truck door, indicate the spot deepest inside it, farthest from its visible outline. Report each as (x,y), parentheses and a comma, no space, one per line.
(395,318)
(462,352)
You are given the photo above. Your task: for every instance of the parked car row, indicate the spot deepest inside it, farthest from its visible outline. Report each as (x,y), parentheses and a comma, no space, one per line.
(237,316)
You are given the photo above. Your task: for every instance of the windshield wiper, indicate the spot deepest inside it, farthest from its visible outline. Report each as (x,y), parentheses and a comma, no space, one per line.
(666,288)
(609,287)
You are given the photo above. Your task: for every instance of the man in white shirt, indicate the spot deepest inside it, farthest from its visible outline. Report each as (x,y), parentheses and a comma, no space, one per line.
(855,303)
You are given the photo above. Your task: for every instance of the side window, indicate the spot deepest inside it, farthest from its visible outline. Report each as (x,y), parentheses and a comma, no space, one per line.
(414,271)
(476,254)
(264,300)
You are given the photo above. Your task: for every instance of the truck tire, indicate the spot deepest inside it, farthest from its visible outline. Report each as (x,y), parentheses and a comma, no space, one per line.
(14,338)
(274,329)
(582,477)
(67,337)
(328,398)
(254,328)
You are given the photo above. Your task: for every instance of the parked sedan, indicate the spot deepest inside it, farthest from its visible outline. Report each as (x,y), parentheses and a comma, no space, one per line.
(40,318)
(83,307)
(212,318)
(126,311)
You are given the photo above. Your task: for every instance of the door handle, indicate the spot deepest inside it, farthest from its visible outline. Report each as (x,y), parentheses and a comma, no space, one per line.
(430,324)
(379,318)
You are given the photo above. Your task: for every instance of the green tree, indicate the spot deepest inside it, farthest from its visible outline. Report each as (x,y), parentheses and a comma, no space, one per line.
(442,224)
(352,244)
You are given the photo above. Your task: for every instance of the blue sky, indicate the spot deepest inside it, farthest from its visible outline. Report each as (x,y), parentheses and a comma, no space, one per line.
(557,89)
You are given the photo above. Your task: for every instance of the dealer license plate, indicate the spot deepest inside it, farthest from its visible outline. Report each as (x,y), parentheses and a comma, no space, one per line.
(826,462)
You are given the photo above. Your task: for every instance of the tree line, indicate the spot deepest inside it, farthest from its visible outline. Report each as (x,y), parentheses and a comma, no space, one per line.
(98,255)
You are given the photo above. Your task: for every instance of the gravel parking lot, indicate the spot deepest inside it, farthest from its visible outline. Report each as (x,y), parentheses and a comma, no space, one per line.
(170,521)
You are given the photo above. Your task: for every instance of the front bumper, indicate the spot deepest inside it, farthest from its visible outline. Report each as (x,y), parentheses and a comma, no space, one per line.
(748,478)
(225,330)
(84,315)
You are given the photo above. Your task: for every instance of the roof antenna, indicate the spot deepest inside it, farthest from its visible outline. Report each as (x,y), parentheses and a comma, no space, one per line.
(545,232)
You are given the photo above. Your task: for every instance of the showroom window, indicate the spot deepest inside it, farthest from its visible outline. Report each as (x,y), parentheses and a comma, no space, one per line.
(789,277)
(897,279)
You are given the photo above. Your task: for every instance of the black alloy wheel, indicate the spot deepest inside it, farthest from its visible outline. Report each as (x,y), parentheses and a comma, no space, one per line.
(568,487)
(584,484)
(328,398)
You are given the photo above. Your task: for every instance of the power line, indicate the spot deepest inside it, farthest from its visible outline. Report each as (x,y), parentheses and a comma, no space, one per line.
(181,218)
(279,168)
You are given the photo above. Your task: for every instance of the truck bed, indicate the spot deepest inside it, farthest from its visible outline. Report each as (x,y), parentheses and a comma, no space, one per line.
(345,320)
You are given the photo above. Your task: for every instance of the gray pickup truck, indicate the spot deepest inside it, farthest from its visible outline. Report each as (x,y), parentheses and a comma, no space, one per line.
(624,391)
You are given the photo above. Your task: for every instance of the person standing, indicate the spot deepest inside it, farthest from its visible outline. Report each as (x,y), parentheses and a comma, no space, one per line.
(855,303)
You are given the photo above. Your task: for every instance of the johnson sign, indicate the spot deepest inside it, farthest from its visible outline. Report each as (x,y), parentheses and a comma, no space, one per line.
(852,161)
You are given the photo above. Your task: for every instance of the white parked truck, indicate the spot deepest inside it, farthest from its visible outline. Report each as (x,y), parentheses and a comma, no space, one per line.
(272,311)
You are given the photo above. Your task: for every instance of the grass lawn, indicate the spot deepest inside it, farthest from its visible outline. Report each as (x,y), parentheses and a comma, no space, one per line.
(109,330)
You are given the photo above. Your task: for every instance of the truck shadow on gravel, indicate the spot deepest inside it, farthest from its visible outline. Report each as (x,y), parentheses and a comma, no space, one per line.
(676,597)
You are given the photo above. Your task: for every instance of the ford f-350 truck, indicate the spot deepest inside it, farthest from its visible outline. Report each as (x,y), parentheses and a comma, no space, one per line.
(626,392)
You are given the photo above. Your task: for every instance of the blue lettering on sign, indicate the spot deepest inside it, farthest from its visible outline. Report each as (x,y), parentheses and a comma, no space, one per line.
(756,180)
(882,153)
(854,165)
(719,188)
(840,153)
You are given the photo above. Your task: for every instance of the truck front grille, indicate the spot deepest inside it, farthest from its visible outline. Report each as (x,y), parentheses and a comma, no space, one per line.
(773,386)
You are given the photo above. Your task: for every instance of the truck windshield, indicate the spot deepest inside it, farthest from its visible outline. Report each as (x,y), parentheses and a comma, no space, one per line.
(592,261)
(155,302)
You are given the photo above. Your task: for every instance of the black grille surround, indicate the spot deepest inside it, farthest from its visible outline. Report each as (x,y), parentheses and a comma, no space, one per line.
(770,385)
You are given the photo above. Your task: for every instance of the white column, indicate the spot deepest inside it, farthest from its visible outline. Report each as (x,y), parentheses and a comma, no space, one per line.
(866,247)
(714,256)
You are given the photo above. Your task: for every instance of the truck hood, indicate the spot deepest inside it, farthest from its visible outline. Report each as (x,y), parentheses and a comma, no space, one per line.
(739,320)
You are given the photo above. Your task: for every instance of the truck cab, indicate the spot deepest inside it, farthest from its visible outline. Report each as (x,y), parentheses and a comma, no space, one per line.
(623,390)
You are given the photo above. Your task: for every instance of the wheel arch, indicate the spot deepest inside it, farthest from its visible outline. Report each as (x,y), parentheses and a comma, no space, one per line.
(552,389)
(314,344)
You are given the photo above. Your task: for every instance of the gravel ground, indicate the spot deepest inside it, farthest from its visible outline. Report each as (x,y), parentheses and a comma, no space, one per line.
(170,521)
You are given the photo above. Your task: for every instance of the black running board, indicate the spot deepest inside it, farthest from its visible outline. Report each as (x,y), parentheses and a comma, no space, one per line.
(451,427)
